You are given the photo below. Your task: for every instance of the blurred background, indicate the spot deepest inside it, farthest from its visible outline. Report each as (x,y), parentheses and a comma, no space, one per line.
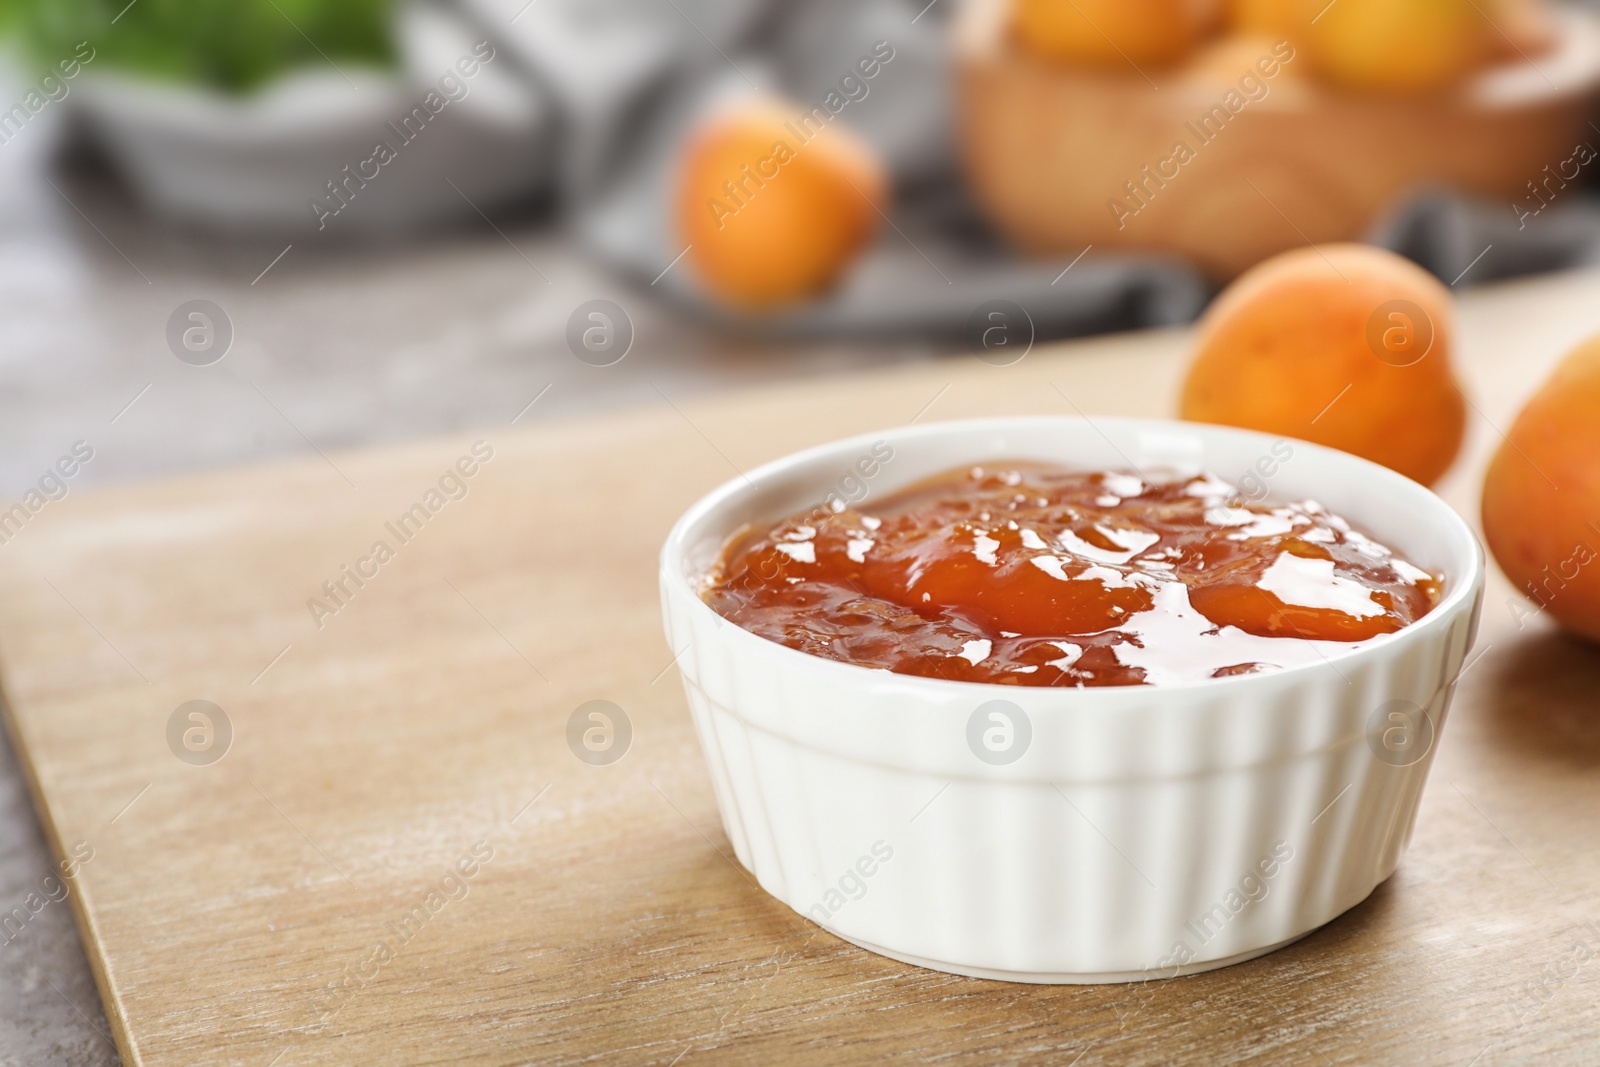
(235,229)
(396,208)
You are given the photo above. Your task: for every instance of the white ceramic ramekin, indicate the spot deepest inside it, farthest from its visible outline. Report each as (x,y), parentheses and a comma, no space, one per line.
(1143,831)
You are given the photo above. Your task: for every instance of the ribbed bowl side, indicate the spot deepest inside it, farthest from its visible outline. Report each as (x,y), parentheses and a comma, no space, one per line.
(1134,838)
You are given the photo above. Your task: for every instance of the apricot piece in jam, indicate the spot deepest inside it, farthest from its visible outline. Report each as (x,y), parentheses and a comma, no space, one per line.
(1026,574)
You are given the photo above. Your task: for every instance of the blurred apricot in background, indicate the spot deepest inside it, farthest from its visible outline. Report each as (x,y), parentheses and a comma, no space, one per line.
(1111,33)
(1398,45)
(1269,18)
(1541,495)
(774,202)
(1382,46)
(1345,345)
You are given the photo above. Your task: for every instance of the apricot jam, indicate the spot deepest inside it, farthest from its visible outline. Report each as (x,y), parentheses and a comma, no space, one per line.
(1027,574)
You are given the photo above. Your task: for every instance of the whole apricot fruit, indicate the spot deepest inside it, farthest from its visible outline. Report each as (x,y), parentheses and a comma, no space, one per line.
(774,202)
(1111,33)
(1541,495)
(1398,46)
(1345,345)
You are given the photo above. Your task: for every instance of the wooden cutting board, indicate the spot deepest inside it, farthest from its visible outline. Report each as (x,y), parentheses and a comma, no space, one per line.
(232,909)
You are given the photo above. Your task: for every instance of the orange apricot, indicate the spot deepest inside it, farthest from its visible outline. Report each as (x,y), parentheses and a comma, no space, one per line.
(1399,46)
(1111,33)
(774,202)
(1344,345)
(1541,495)
(1272,18)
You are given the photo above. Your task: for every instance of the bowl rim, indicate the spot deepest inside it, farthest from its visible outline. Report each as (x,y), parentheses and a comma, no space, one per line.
(674,571)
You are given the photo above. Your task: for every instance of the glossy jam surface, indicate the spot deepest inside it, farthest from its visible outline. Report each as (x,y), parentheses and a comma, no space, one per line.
(1026,574)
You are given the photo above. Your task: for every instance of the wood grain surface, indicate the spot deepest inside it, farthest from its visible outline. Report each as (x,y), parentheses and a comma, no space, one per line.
(231,910)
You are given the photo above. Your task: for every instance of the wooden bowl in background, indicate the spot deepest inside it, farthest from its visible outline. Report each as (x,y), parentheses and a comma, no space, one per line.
(1048,149)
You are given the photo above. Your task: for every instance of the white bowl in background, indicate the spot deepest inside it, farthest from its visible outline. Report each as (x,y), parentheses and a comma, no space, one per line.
(255,163)
(1145,831)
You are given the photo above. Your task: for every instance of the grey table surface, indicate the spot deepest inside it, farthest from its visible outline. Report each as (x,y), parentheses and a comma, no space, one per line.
(336,345)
